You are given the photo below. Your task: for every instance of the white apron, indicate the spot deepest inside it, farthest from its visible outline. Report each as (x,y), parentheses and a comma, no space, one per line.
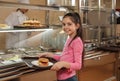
(13,38)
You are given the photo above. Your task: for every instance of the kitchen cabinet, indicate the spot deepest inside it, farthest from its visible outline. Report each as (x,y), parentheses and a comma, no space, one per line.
(99,66)
(99,59)
(98,73)
(39,76)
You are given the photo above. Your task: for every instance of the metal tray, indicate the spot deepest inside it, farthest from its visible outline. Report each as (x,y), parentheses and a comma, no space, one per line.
(110,48)
(31,27)
(28,61)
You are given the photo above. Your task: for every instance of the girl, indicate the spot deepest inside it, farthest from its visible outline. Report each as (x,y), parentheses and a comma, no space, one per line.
(71,57)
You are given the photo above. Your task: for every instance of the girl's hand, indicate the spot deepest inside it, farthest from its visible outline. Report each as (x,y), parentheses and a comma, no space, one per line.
(46,54)
(59,65)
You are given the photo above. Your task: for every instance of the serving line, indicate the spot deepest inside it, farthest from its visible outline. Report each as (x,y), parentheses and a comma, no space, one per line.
(23,30)
(14,71)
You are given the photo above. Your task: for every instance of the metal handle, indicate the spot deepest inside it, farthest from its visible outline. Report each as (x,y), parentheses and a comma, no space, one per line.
(97,58)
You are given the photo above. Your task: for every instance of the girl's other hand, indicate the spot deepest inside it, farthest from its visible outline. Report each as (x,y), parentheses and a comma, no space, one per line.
(46,54)
(59,65)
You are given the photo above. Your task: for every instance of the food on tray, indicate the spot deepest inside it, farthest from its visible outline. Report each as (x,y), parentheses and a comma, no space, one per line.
(13,57)
(43,61)
(4,26)
(31,23)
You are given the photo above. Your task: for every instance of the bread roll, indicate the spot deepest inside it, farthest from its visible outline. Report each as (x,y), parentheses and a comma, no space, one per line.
(43,62)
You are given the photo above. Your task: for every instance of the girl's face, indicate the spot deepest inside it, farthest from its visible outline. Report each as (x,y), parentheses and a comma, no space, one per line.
(69,27)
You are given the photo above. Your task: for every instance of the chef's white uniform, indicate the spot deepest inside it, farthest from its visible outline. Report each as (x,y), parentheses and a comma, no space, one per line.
(15,18)
(12,39)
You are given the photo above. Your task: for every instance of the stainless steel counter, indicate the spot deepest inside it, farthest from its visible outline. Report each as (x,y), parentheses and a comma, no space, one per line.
(13,71)
(11,65)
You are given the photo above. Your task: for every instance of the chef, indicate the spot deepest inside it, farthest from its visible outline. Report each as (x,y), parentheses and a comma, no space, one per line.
(16,18)
(118,16)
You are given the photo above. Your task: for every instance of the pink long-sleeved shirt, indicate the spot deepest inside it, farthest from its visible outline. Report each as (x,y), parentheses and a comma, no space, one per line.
(73,54)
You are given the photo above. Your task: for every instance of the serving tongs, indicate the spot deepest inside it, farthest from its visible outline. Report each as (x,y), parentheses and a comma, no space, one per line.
(25,53)
(47,49)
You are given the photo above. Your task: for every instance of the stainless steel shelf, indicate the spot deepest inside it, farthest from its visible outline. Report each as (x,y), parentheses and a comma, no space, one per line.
(23,30)
(95,9)
(6,4)
(35,6)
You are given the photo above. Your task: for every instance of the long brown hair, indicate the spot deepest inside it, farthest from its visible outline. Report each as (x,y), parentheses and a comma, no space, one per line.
(75,18)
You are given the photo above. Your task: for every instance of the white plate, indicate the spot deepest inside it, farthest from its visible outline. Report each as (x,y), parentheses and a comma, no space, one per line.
(35,62)
(7,27)
(58,53)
